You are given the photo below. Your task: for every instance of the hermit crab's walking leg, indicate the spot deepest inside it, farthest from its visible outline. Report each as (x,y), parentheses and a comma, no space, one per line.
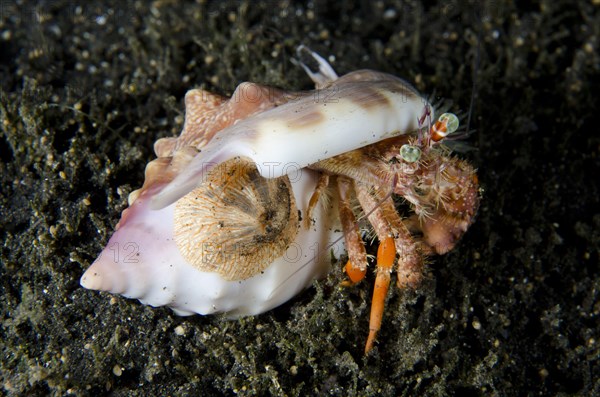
(386,253)
(322,183)
(393,238)
(410,259)
(356,268)
(410,263)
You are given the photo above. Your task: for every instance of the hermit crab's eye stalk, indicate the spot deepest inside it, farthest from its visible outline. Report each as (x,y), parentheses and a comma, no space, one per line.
(446,124)
(410,153)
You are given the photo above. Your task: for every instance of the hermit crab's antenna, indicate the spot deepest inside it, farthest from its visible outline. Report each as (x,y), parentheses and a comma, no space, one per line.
(474,75)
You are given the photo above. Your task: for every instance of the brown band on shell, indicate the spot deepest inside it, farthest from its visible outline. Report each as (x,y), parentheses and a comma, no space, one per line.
(377,80)
(237,222)
(311,119)
(368,98)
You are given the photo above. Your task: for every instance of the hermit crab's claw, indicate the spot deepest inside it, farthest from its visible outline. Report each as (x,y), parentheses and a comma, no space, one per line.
(458,205)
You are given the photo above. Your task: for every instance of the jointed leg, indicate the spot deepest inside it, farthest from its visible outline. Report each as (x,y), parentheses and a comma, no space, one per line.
(386,253)
(322,183)
(356,268)
(410,259)
(410,264)
(385,261)
(394,238)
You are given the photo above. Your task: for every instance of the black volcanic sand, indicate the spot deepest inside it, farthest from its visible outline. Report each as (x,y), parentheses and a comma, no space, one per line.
(512,310)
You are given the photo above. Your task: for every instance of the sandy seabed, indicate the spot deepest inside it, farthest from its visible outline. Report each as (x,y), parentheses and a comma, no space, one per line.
(513,310)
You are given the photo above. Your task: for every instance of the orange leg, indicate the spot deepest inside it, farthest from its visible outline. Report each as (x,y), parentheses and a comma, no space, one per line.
(386,253)
(355,273)
(410,259)
(322,183)
(386,221)
(356,267)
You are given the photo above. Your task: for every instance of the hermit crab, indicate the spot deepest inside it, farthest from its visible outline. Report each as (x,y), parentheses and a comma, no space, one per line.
(244,209)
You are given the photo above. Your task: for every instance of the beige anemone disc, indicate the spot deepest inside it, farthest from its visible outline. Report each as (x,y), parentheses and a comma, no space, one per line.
(237,222)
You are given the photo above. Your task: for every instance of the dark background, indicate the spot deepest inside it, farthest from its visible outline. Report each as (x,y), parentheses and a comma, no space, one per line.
(87,87)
